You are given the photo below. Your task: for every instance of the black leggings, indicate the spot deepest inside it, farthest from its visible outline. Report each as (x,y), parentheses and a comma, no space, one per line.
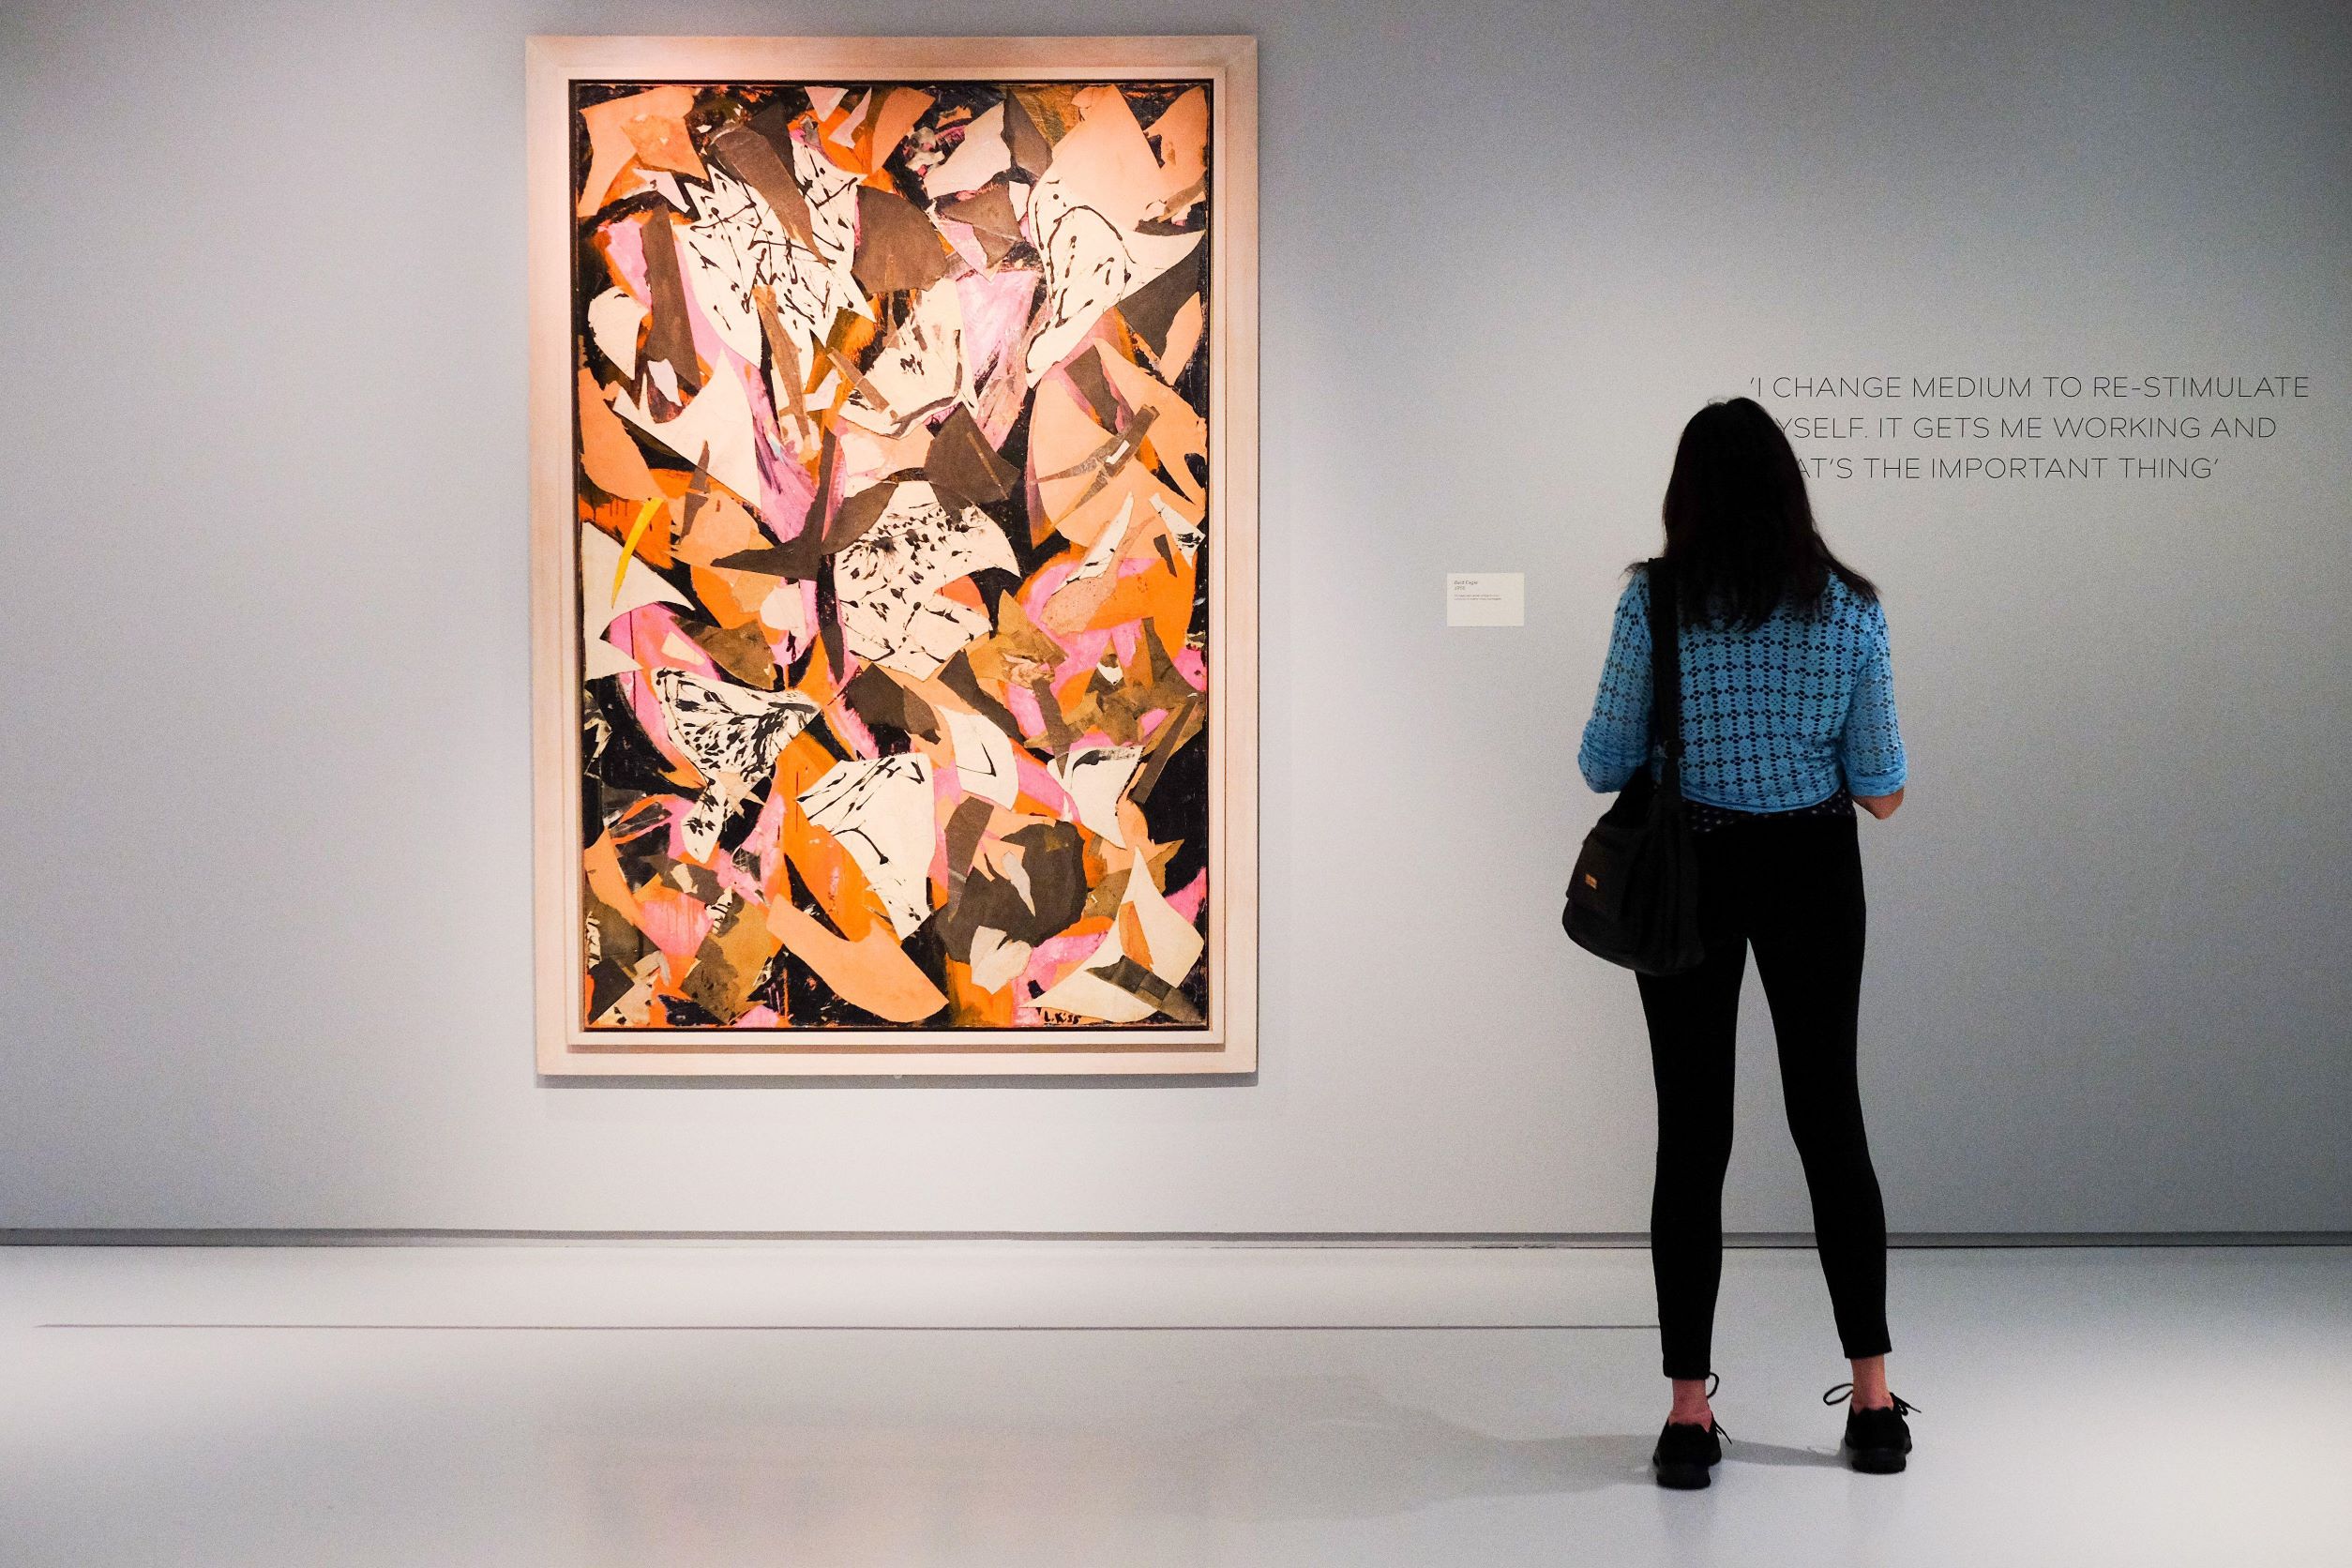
(1793,889)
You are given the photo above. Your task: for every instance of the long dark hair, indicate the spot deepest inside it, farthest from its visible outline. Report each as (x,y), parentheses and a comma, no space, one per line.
(1739,535)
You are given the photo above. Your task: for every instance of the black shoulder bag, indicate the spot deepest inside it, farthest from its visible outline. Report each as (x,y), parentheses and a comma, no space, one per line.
(1633,897)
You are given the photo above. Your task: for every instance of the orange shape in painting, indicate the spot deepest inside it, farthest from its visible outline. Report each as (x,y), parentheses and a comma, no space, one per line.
(721,527)
(1163,595)
(836,880)
(616,518)
(1177,430)
(601,860)
(875,973)
(608,452)
(896,116)
(648,126)
(1182,134)
(974,1007)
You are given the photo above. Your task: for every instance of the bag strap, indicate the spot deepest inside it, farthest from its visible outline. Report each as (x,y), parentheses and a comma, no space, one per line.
(1666,673)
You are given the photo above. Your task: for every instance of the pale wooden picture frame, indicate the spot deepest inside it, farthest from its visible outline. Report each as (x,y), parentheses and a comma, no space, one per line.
(1227,1042)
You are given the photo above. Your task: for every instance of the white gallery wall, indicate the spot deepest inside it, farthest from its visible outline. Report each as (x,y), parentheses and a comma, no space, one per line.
(265,951)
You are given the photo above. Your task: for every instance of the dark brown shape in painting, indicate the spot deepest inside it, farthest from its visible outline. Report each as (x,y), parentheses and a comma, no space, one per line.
(742,651)
(957,676)
(1181,726)
(728,966)
(857,514)
(896,246)
(1050,106)
(988,212)
(876,698)
(752,159)
(962,464)
(966,824)
(1054,856)
(1151,308)
(1085,371)
(671,338)
(1137,981)
(787,357)
(1053,861)
(1030,151)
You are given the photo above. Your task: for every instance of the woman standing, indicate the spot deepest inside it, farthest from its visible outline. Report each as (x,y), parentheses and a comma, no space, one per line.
(1787,723)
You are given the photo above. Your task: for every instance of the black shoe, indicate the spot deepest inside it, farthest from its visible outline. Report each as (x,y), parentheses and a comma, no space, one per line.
(1685,1450)
(1877,1442)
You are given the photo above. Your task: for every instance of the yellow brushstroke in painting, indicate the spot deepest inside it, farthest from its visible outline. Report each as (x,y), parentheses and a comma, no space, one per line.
(628,546)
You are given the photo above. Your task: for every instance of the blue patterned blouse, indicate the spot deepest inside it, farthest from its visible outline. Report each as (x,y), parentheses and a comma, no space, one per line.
(1772,720)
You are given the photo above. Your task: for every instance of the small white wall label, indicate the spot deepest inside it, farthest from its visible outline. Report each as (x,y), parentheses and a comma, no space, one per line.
(1486,599)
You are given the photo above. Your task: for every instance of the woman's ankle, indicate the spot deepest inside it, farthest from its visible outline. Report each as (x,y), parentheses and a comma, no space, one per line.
(1690,1406)
(1870,1384)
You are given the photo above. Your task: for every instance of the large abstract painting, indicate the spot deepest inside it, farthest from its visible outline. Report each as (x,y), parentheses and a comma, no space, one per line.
(894,541)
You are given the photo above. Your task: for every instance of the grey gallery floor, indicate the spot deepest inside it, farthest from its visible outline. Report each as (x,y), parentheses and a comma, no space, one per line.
(1102,1404)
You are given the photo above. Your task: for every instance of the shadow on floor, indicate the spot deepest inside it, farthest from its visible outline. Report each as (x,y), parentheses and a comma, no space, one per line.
(654,1450)
(1283,1449)
(1337,1448)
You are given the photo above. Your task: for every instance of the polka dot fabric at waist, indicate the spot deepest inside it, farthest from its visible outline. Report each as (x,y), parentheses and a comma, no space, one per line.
(1707,818)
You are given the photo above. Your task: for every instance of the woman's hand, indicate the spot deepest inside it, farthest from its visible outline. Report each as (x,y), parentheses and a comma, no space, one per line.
(1880,807)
